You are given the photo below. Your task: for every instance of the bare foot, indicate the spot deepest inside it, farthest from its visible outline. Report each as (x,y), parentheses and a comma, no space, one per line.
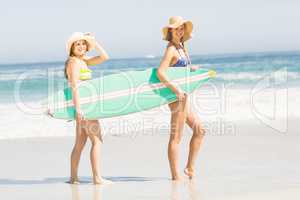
(177,178)
(73,181)
(102,181)
(189,172)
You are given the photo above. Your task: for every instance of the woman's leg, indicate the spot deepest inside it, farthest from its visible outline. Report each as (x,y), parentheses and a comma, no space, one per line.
(198,132)
(94,133)
(177,123)
(80,141)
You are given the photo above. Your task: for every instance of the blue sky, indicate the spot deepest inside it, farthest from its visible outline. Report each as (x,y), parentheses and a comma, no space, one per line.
(33,30)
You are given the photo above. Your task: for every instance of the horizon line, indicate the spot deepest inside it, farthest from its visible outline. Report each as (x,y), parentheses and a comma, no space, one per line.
(156,57)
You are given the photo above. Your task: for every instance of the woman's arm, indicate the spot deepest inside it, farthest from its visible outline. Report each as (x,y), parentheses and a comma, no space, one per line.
(97,59)
(165,63)
(74,73)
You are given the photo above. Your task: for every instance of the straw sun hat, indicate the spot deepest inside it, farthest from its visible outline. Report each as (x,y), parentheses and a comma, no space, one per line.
(80,36)
(175,22)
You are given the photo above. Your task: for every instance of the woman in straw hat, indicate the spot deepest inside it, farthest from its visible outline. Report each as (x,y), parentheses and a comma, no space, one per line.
(76,70)
(176,33)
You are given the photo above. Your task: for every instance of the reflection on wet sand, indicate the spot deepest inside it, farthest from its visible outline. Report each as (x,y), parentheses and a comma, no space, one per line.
(97,191)
(178,190)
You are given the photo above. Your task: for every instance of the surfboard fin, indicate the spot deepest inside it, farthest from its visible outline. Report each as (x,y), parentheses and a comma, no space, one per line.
(212,73)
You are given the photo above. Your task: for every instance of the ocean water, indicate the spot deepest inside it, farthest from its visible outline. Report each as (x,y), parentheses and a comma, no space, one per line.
(253,86)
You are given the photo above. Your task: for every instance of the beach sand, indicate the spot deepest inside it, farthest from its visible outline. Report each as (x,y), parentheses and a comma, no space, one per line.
(256,162)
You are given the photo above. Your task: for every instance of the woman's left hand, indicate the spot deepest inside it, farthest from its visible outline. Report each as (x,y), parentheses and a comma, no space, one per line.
(90,35)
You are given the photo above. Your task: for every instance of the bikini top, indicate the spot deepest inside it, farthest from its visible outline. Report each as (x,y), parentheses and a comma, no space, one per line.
(182,61)
(85,74)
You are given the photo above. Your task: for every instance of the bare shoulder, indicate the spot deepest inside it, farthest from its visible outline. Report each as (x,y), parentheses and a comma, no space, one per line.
(72,63)
(168,56)
(170,49)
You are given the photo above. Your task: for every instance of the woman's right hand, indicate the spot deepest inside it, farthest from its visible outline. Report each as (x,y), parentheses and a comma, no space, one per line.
(180,95)
(79,116)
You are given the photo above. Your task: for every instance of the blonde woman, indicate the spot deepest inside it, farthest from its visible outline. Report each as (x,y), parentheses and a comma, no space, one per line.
(176,33)
(76,71)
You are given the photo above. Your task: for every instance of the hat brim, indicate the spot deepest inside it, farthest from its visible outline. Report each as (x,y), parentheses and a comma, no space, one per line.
(187,32)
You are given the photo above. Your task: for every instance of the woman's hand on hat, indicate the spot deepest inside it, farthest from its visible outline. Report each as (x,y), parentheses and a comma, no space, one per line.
(90,35)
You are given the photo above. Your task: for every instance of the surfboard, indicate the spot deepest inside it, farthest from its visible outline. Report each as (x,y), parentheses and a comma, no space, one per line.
(125,93)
